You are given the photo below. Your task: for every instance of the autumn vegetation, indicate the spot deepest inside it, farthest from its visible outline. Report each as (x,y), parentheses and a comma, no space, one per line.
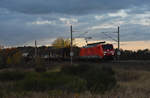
(80,80)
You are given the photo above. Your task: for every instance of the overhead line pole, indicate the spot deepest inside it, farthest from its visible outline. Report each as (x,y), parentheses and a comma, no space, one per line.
(118,38)
(118,50)
(35,49)
(71,53)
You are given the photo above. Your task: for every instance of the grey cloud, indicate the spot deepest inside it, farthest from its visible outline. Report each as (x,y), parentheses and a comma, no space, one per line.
(128,30)
(16,17)
(15,28)
(69,6)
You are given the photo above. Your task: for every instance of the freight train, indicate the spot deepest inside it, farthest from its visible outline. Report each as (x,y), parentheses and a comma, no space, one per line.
(100,50)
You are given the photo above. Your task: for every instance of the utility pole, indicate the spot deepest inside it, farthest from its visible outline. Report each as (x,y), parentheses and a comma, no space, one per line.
(118,38)
(35,49)
(71,53)
(118,50)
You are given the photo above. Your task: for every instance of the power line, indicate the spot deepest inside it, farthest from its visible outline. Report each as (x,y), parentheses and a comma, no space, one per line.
(109,36)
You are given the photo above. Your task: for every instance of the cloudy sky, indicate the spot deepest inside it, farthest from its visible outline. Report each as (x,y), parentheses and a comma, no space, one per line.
(22,21)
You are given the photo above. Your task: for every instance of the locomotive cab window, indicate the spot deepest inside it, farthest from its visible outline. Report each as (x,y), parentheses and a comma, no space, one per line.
(105,47)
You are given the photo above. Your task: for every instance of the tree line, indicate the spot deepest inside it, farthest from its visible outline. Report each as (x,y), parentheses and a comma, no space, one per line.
(135,55)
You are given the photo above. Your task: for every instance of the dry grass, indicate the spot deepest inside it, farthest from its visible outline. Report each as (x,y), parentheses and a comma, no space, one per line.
(133,82)
(128,94)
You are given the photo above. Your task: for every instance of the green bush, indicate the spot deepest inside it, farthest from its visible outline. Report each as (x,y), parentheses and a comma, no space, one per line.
(78,70)
(52,81)
(70,79)
(11,75)
(76,85)
(99,79)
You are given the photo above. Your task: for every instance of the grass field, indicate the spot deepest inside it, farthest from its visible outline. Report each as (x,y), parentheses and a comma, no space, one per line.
(133,81)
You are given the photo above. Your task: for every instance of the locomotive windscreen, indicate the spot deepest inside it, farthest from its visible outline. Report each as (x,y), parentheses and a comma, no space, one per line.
(107,46)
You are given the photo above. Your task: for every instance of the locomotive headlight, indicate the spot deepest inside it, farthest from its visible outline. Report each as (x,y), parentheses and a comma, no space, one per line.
(105,52)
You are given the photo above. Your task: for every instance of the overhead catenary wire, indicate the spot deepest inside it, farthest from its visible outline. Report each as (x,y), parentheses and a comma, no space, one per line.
(109,36)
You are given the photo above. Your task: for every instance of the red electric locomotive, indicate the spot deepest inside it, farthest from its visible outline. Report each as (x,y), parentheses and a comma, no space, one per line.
(98,50)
